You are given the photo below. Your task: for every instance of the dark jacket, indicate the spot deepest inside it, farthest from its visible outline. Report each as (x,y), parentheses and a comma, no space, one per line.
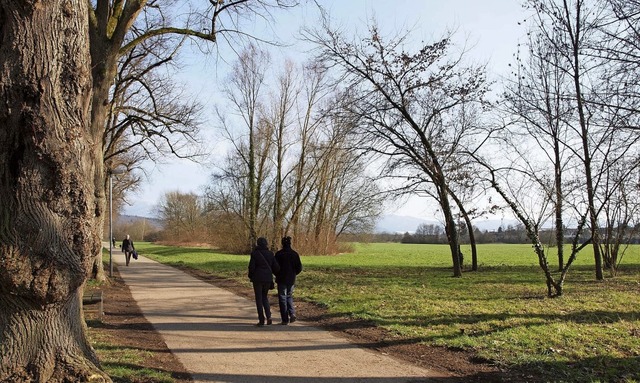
(262,264)
(290,266)
(127,245)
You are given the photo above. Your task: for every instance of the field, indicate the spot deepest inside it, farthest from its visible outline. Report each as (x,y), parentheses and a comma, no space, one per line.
(501,312)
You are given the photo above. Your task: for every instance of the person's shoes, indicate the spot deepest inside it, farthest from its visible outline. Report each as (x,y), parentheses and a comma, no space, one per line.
(293,319)
(260,324)
(284,323)
(269,322)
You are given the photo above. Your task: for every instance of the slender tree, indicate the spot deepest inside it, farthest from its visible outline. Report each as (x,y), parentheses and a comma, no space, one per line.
(578,31)
(517,196)
(537,100)
(281,118)
(404,106)
(244,91)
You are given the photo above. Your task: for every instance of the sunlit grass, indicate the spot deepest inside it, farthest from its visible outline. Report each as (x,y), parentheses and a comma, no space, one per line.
(592,333)
(124,364)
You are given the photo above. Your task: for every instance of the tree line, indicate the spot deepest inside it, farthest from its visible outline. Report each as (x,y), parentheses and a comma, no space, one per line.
(434,234)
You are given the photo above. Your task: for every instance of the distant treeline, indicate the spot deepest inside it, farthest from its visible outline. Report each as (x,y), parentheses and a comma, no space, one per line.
(433,234)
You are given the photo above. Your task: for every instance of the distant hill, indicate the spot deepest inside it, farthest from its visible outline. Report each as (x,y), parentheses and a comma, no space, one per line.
(126,219)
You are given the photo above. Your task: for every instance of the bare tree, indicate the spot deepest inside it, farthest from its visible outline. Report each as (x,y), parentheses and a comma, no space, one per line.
(281,117)
(310,119)
(574,31)
(116,29)
(306,182)
(150,117)
(621,217)
(537,100)
(342,198)
(183,215)
(518,195)
(619,29)
(568,152)
(49,233)
(405,105)
(244,91)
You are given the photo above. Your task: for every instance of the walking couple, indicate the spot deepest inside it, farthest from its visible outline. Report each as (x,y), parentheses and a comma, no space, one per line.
(285,265)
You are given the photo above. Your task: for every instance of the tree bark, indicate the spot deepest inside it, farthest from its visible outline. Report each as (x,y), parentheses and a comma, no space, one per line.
(472,237)
(48,231)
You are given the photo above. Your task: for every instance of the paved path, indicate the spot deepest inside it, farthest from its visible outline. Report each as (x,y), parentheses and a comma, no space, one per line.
(212,332)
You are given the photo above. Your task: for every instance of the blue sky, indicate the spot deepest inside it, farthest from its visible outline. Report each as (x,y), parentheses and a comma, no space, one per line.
(489,28)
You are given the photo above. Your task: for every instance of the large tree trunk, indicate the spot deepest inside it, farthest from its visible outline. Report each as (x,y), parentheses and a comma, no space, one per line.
(48,231)
(103,70)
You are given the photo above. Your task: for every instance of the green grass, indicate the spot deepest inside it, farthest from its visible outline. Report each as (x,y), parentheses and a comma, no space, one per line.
(590,334)
(123,364)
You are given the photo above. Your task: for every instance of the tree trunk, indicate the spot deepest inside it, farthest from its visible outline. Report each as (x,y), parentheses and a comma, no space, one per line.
(450,226)
(472,242)
(107,29)
(48,235)
(103,70)
(585,134)
(472,236)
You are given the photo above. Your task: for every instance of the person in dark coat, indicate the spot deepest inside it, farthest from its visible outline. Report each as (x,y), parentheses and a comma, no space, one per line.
(290,266)
(261,267)
(128,248)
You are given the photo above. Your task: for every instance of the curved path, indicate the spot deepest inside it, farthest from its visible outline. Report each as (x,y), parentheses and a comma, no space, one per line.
(212,332)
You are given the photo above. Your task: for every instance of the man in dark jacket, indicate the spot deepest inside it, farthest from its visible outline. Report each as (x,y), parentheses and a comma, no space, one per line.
(290,266)
(261,267)
(128,248)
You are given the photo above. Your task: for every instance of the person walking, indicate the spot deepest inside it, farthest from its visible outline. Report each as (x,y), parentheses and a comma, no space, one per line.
(290,267)
(128,248)
(262,266)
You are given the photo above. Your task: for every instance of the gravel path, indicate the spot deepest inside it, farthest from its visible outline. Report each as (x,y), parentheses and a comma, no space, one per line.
(212,332)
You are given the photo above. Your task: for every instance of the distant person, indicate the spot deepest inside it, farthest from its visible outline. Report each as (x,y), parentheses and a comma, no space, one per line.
(128,248)
(290,266)
(261,267)
(113,240)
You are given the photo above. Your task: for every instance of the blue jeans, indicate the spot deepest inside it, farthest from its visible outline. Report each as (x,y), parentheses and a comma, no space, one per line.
(285,301)
(261,291)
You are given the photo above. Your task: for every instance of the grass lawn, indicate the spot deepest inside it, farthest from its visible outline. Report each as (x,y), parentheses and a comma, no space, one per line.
(501,312)
(121,363)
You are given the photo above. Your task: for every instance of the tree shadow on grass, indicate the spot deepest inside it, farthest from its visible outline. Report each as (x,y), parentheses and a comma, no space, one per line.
(584,317)
(597,369)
